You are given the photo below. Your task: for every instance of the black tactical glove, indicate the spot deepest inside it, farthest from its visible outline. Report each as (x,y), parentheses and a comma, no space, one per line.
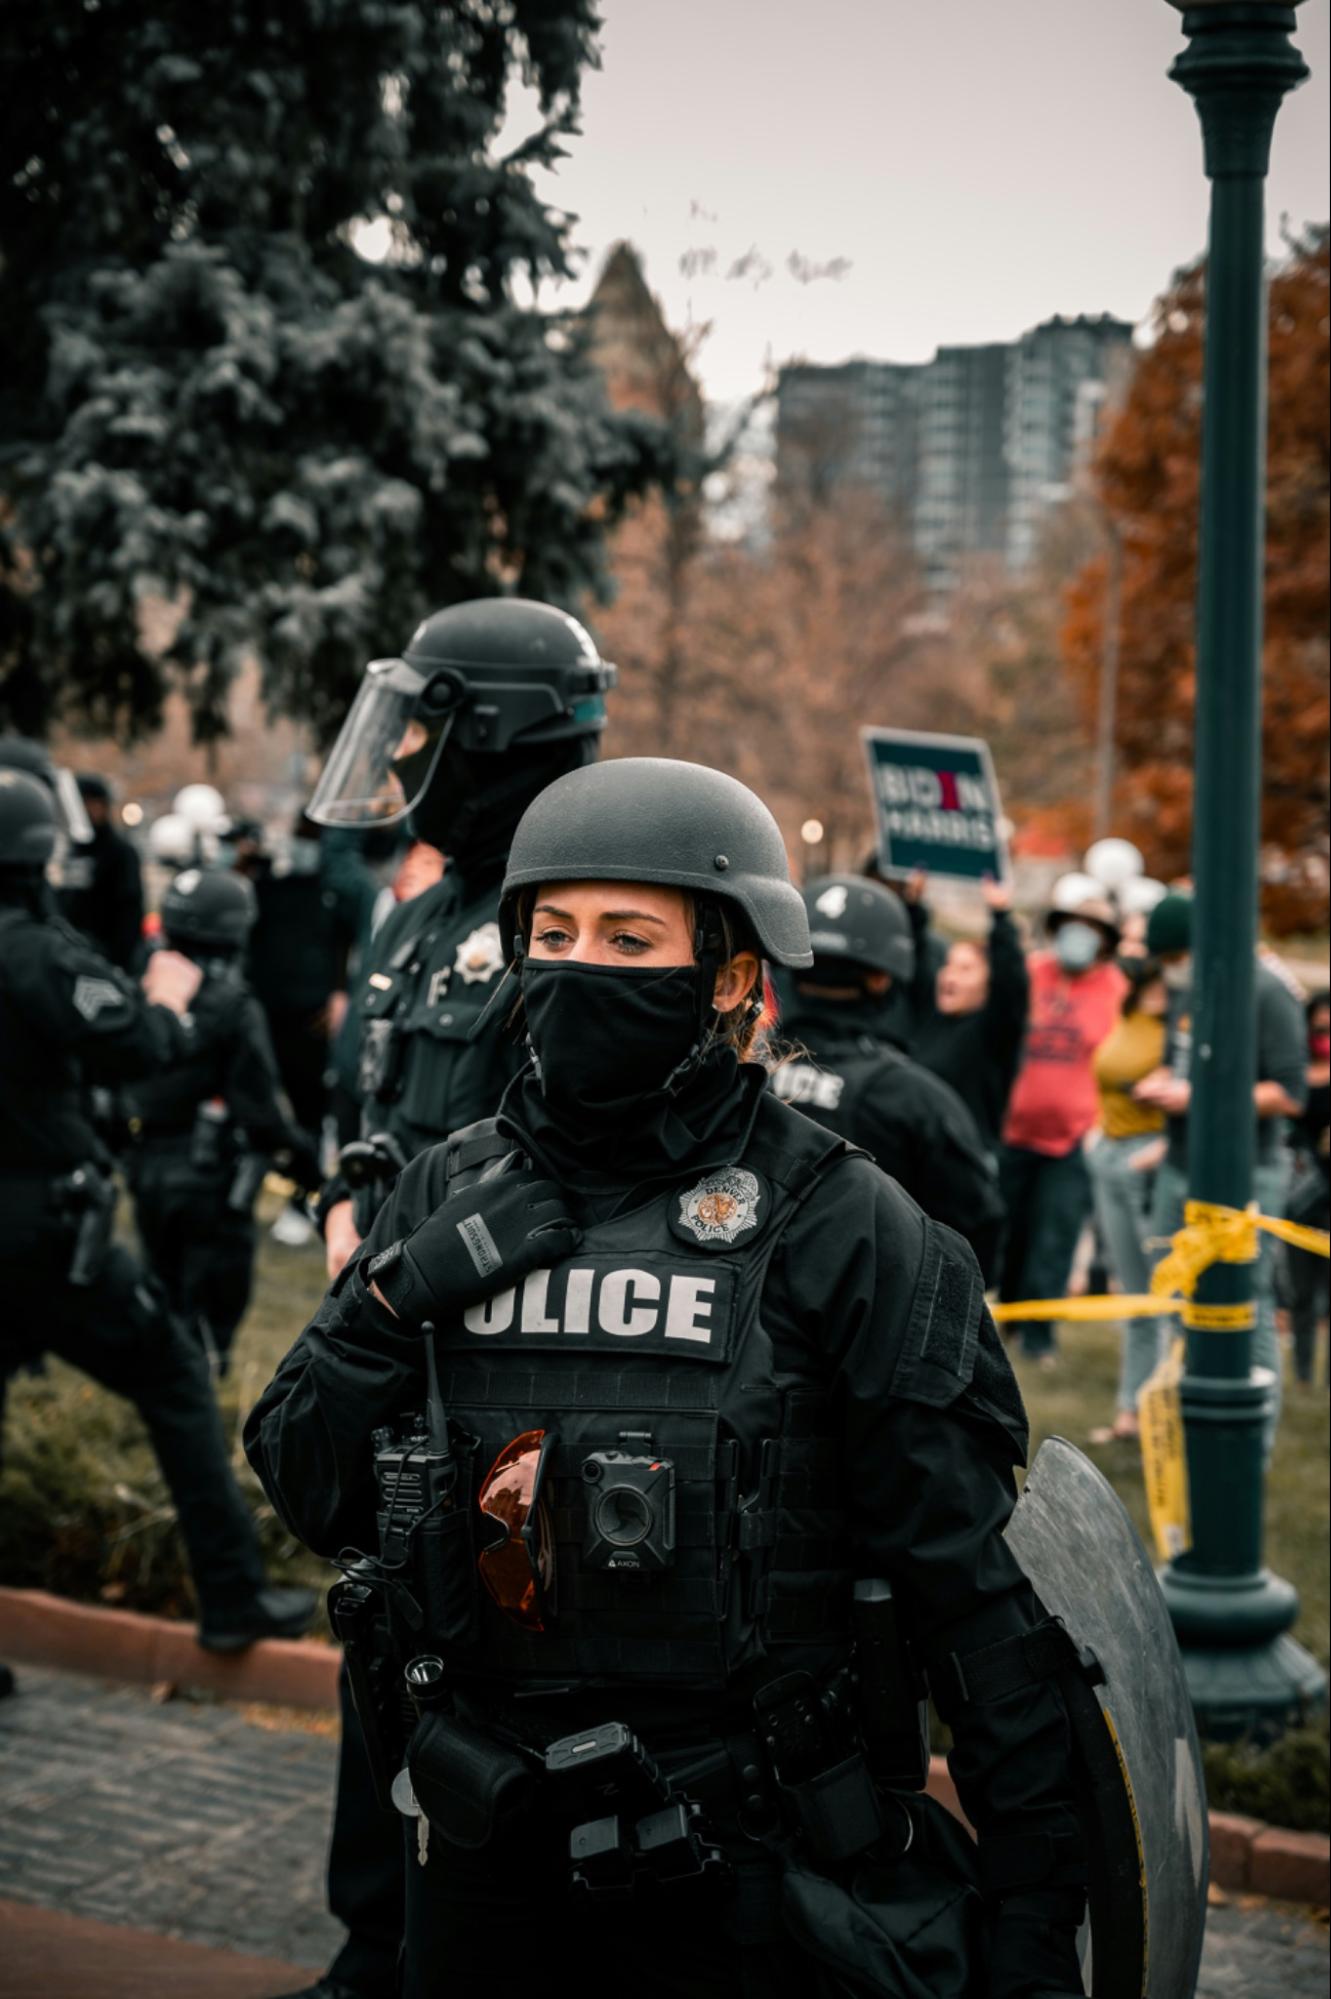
(479,1242)
(1033,1953)
(299,1160)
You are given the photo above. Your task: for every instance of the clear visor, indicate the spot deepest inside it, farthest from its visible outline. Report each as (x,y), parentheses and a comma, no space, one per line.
(387,748)
(69,801)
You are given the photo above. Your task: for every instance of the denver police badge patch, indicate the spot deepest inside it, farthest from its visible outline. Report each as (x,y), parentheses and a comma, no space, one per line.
(722,1209)
(480,956)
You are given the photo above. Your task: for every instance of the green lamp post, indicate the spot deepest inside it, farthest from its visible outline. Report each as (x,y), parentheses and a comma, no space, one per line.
(1232,1615)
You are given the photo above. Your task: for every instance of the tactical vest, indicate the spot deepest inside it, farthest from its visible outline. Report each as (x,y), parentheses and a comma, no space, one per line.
(423,1073)
(650,1342)
(832,1086)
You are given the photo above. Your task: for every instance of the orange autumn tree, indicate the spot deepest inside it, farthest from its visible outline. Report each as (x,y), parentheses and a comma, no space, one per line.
(1147,476)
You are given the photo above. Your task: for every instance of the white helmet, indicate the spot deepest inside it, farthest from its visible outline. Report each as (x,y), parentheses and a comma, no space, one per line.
(1139,896)
(1113,863)
(201,806)
(174,843)
(1071,891)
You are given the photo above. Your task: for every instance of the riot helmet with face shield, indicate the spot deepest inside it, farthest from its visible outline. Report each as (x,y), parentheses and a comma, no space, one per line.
(501,678)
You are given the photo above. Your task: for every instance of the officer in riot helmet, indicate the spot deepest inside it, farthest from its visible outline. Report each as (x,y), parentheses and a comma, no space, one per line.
(70,1020)
(205,1131)
(488,703)
(108,907)
(706,1413)
(847,1071)
(71,865)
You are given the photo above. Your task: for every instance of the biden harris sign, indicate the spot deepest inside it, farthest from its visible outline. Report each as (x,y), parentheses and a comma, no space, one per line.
(936,805)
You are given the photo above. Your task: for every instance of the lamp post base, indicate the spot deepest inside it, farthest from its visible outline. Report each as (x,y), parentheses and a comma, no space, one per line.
(1257,1692)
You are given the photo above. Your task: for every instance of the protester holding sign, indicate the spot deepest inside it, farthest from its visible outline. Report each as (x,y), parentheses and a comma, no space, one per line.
(1076,994)
(970,1031)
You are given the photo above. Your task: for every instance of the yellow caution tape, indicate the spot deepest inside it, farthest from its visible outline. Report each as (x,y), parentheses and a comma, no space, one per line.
(1164,1457)
(1210,1234)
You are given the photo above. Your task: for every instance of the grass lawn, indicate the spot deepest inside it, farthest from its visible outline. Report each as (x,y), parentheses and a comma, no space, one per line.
(83,1510)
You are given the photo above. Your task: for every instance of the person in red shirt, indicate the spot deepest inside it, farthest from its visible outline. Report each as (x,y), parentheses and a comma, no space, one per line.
(1076,993)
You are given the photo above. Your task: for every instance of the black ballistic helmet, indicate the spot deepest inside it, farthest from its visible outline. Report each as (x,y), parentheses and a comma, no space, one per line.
(27,821)
(498,674)
(21,753)
(859,922)
(209,909)
(650,819)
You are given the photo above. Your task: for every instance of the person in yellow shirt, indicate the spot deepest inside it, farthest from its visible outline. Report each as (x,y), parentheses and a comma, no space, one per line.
(1129,1146)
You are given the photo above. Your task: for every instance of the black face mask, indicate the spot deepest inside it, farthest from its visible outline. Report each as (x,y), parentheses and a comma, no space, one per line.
(608,1037)
(474,801)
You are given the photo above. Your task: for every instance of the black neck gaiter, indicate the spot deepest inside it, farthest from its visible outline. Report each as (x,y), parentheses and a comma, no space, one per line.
(619,1086)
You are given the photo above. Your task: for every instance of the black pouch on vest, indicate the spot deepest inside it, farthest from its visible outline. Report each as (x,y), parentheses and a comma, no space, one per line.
(468,1786)
(838,1810)
(444,1564)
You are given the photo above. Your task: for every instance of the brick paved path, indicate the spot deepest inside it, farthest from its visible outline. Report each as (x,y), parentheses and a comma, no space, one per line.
(179,1818)
(191,1822)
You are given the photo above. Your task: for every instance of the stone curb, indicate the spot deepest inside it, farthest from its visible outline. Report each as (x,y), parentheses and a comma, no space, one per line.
(43,1630)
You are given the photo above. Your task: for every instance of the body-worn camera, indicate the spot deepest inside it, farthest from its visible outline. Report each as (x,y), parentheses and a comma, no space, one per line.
(630,1511)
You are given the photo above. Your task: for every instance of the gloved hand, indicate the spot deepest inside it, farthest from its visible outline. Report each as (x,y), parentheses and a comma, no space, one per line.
(479,1242)
(1033,1951)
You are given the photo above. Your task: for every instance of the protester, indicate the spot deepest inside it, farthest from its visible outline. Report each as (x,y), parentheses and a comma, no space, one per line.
(1310,1195)
(969,1031)
(1129,1147)
(1278,1095)
(1076,991)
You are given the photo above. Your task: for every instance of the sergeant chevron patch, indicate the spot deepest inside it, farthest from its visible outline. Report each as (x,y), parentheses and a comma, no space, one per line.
(93,996)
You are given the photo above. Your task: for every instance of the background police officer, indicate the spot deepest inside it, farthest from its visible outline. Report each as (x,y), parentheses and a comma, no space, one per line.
(107,904)
(205,1129)
(489,702)
(847,1073)
(70,1019)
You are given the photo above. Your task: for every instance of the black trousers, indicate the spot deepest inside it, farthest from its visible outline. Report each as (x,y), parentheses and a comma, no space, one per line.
(365,1885)
(1047,1202)
(503,1922)
(201,1251)
(119,1331)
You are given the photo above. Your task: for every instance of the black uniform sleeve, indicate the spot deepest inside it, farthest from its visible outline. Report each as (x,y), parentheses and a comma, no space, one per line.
(933,1426)
(77,1001)
(353,1368)
(253,1089)
(921,988)
(1009,998)
(918,1130)
(121,889)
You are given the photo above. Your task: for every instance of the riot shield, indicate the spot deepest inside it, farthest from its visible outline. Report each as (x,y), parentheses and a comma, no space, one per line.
(1143,1799)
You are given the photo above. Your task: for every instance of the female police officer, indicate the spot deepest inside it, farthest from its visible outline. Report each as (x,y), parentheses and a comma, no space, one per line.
(705,1369)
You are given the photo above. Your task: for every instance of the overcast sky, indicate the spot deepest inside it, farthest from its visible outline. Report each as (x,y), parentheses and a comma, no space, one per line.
(980,164)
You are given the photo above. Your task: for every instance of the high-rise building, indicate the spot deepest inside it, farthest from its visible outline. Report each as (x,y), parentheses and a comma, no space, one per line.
(961,478)
(1050,370)
(848,426)
(969,449)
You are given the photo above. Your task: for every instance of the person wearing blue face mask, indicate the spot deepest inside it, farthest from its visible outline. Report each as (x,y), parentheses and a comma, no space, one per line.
(1076,994)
